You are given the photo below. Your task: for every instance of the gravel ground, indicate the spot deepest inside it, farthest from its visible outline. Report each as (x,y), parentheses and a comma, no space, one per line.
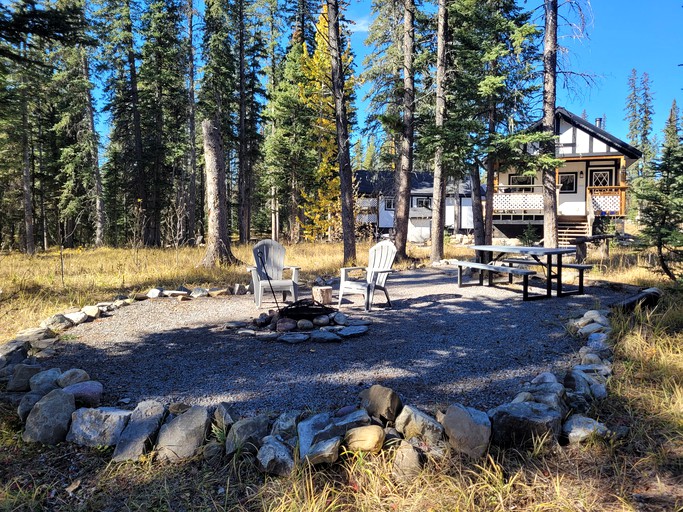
(437,345)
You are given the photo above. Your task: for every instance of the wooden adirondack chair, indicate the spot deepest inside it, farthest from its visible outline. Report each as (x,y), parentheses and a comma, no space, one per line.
(379,267)
(269,257)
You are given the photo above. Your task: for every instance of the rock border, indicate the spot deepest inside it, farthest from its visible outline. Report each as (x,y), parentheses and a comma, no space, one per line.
(61,406)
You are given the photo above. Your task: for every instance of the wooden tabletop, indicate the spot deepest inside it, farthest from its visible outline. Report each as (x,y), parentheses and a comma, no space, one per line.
(534,251)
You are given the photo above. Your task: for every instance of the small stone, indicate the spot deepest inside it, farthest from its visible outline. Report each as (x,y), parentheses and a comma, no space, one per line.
(224,416)
(524,396)
(92,312)
(246,332)
(87,393)
(76,318)
(43,344)
(321,336)
(239,289)
(578,428)
(352,332)
(155,293)
(332,328)
(284,427)
(72,376)
(267,336)
(599,369)
(286,325)
(591,359)
(33,334)
(199,292)
(407,463)
(183,436)
(468,430)
(45,381)
(246,435)
(219,292)
(365,439)
(263,320)
(545,377)
(294,337)
(340,319)
(321,320)
(589,329)
(305,325)
(97,427)
(13,352)
(382,402)
(20,379)
(355,322)
(27,403)
(412,422)
(599,391)
(517,424)
(175,293)
(57,323)
(177,408)
(142,427)
(274,457)
(324,452)
(235,324)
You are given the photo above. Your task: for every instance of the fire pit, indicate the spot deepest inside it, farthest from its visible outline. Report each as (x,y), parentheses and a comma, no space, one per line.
(305,309)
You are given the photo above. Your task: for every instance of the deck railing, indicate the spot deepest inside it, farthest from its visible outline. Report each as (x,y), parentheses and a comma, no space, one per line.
(516,198)
(609,200)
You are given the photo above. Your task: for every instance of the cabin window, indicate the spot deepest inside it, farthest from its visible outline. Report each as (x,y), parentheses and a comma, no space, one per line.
(389,203)
(423,202)
(519,179)
(601,178)
(568,182)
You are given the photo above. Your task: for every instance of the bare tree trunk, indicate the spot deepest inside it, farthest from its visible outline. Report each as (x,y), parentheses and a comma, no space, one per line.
(439,195)
(27,180)
(341,121)
(94,156)
(548,124)
(243,178)
(218,239)
(191,201)
(477,208)
(490,175)
(403,179)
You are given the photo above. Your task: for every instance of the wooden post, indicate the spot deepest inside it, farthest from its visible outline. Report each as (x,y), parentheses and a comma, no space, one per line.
(322,294)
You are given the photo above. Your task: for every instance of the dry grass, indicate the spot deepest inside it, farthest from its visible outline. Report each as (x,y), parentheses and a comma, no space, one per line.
(641,471)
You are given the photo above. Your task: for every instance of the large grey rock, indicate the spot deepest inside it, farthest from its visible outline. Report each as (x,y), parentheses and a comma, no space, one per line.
(57,323)
(199,292)
(305,325)
(275,457)
(44,344)
(76,318)
(97,427)
(35,333)
(45,381)
(578,428)
(87,393)
(598,390)
(21,377)
(72,376)
(49,419)
(182,437)
(139,434)
(407,463)
(414,423)
(26,404)
(578,382)
(339,425)
(601,369)
(544,378)
(308,428)
(340,318)
(353,331)
(544,388)
(285,427)
(246,434)
(591,358)
(369,438)
(324,452)
(468,430)
(155,293)
(321,320)
(224,416)
(93,312)
(285,325)
(381,402)
(294,337)
(515,424)
(321,336)
(13,352)
(591,328)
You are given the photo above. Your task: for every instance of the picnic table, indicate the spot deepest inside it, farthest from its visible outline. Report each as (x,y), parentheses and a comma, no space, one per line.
(542,256)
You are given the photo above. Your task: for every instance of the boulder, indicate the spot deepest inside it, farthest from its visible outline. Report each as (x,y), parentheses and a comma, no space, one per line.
(45,381)
(517,424)
(76,318)
(182,437)
(26,404)
(13,352)
(275,457)
(87,393)
(414,423)
(382,402)
(72,376)
(365,439)
(321,336)
(307,430)
(139,433)
(49,419)
(407,463)
(57,323)
(468,430)
(34,334)
(285,325)
(324,452)
(578,428)
(92,312)
(305,325)
(21,377)
(246,434)
(97,427)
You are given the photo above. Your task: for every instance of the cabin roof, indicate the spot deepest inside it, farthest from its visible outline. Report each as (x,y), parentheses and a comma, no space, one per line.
(421,183)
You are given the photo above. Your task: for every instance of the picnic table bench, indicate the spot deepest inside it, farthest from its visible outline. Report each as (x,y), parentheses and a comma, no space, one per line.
(576,266)
(494,269)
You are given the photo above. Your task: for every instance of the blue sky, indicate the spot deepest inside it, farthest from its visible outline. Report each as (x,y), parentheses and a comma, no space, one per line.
(623,34)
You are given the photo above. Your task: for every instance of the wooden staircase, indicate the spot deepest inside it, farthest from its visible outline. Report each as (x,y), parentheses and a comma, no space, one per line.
(568,228)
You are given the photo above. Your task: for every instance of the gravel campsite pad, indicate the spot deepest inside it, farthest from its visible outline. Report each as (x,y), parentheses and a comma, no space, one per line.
(439,344)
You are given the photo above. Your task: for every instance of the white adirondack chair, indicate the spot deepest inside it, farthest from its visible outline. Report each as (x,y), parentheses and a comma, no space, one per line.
(379,267)
(269,257)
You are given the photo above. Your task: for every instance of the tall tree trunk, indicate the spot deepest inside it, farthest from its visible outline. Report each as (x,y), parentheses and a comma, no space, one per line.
(490,176)
(191,200)
(548,124)
(243,178)
(94,155)
(29,236)
(139,171)
(341,121)
(218,239)
(402,212)
(477,207)
(439,195)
